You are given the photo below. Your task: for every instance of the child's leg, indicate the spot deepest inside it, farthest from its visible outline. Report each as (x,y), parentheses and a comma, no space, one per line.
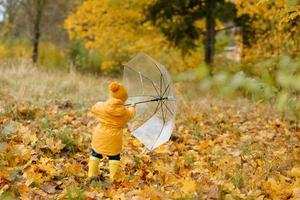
(114,164)
(93,166)
(94,163)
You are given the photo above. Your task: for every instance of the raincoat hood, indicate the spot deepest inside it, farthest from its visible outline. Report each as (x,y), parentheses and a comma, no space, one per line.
(115,107)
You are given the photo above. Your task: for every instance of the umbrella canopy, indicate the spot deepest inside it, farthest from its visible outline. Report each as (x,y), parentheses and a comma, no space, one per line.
(150,86)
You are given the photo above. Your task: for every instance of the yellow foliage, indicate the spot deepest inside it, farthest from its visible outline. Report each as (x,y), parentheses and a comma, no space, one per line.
(15,50)
(50,56)
(118,30)
(275,27)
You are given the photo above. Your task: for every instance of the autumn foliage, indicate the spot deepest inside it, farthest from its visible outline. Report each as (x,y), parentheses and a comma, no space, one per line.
(219,149)
(237,129)
(274,25)
(118,30)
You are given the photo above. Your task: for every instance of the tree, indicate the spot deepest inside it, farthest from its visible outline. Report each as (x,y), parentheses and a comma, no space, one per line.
(43,19)
(9,11)
(35,10)
(118,29)
(275,28)
(177,20)
(55,13)
(51,25)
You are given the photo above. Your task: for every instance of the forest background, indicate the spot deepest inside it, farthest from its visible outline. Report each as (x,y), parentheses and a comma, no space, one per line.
(232,57)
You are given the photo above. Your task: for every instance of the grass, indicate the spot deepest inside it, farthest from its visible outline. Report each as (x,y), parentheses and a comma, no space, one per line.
(24,82)
(227,148)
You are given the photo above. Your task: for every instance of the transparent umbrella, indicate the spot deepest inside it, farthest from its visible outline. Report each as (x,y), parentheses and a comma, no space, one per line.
(150,86)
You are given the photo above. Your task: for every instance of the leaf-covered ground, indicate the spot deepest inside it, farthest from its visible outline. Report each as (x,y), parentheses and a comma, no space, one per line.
(219,150)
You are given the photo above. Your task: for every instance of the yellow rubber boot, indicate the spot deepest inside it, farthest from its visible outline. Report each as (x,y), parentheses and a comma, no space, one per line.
(113,168)
(93,166)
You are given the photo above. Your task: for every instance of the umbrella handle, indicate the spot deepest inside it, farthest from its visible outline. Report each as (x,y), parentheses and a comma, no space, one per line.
(152,100)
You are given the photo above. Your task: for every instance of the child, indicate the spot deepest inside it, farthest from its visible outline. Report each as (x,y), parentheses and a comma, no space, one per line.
(107,136)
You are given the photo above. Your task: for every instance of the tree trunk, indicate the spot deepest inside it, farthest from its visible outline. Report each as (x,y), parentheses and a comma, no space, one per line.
(210,31)
(35,43)
(39,8)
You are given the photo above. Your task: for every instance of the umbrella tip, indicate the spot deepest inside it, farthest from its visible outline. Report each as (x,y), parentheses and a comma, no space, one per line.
(171,98)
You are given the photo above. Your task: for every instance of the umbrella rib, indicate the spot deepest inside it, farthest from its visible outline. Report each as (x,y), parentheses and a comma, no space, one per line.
(160,85)
(162,127)
(144,77)
(164,83)
(168,108)
(142,82)
(157,107)
(161,73)
(157,67)
(165,114)
(155,88)
(163,111)
(167,88)
(164,101)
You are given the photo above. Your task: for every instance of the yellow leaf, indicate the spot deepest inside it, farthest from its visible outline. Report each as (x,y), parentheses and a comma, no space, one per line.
(74,168)
(295,172)
(229,187)
(23,189)
(29,138)
(151,193)
(55,145)
(189,186)
(163,149)
(137,143)
(298,135)
(228,197)
(32,176)
(67,119)
(296,193)
(3,189)
(22,152)
(203,145)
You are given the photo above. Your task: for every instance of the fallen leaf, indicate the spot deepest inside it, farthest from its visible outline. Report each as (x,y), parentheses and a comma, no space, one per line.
(188,186)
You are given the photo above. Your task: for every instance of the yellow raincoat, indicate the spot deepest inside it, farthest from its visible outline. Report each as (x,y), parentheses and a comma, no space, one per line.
(113,117)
